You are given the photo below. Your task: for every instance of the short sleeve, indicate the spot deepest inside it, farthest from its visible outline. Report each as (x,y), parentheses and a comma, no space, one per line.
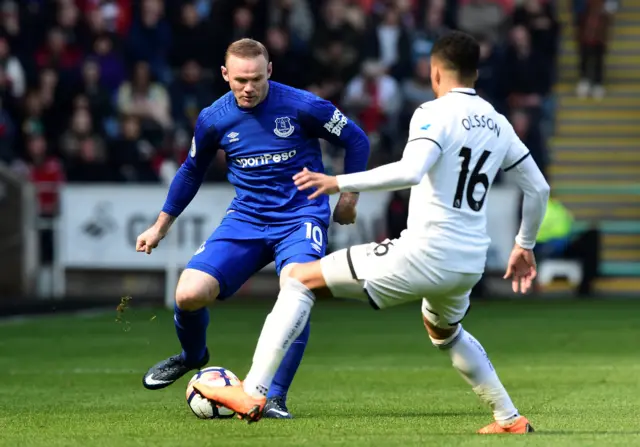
(516,153)
(425,126)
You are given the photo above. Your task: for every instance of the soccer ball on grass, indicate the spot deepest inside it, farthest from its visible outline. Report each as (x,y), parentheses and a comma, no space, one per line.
(203,407)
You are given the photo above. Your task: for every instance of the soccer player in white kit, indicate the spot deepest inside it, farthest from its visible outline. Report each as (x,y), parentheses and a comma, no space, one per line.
(456,145)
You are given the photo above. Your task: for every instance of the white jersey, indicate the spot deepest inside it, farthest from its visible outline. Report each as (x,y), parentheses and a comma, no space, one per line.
(447,208)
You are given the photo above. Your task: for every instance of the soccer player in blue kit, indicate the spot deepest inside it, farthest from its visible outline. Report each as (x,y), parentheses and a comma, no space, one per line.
(269,133)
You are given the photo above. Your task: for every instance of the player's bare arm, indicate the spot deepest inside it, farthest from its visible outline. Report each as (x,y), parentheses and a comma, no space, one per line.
(345,211)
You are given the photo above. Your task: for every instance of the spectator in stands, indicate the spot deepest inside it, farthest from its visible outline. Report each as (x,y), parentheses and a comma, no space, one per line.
(487,17)
(150,38)
(531,136)
(146,99)
(59,55)
(539,18)
(111,63)
(75,32)
(333,65)
(491,83)
(417,89)
(79,55)
(193,39)
(373,98)
(189,95)
(98,97)
(433,27)
(14,79)
(295,17)
(290,68)
(527,76)
(132,153)
(337,25)
(46,172)
(593,27)
(81,135)
(389,43)
(11,25)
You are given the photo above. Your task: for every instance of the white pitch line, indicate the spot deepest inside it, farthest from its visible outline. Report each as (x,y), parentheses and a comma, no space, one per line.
(22,319)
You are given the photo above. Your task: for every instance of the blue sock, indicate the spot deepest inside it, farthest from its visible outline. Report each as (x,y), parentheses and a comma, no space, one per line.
(289,366)
(191,327)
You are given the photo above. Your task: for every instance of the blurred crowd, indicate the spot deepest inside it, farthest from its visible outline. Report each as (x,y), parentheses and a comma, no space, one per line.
(109,90)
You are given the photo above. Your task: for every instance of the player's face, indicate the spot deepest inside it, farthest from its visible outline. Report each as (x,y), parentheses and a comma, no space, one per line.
(248,79)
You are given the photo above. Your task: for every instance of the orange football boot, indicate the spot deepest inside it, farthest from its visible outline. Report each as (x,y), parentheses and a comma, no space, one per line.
(234,398)
(519,427)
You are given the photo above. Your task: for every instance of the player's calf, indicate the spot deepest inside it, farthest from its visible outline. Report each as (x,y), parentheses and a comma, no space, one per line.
(195,290)
(469,358)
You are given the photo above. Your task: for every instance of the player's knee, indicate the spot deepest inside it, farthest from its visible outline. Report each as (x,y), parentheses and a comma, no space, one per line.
(190,299)
(310,275)
(442,338)
(196,291)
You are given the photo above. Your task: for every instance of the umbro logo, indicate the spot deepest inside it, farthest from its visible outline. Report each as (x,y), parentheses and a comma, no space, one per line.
(425,127)
(233,137)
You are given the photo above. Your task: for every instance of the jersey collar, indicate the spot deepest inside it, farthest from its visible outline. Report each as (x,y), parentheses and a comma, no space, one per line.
(464,91)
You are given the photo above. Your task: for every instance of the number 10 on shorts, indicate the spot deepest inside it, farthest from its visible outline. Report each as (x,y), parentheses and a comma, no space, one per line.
(314,234)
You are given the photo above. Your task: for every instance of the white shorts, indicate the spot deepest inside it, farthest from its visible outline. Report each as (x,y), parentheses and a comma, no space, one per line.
(387,274)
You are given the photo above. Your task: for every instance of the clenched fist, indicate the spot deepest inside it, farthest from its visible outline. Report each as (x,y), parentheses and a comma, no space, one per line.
(149,240)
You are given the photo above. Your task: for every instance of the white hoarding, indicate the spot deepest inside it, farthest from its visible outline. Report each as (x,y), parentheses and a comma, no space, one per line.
(99,224)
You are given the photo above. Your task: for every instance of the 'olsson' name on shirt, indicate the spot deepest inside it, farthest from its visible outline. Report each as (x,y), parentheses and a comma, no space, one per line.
(264,159)
(480,122)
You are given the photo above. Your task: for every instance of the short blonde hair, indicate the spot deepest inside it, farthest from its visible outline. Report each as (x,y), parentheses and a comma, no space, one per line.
(246,49)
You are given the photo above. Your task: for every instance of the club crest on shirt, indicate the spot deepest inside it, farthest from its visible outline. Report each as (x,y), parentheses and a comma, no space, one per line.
(284,128)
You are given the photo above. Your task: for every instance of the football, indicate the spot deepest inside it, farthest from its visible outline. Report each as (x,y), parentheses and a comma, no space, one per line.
(203,407)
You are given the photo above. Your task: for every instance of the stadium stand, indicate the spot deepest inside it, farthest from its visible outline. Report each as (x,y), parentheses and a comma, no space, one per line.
(108,91)
(595,159)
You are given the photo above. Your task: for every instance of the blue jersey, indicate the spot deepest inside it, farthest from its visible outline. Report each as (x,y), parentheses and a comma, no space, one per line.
(265,146)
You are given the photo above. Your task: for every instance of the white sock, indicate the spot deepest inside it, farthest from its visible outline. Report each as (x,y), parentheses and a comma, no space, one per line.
(470,359)
(281,327)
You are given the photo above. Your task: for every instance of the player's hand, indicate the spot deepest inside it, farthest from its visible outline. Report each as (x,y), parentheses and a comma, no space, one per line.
(149,240)
(521,269)
(345,211)
(324,184)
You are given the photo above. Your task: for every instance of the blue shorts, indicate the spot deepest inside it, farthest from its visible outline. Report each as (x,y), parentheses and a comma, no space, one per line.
(238,249)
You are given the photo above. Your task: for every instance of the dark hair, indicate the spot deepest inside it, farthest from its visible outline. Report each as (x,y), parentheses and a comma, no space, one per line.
(247,49)
(459,52)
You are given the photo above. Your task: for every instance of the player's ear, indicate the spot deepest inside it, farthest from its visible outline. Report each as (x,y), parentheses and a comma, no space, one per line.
(225,73)
(269,70)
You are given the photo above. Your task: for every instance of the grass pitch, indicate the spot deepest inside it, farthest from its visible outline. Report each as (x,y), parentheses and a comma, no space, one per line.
(369,378)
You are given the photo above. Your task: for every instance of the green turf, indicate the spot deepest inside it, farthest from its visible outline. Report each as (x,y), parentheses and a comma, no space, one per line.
(368,379)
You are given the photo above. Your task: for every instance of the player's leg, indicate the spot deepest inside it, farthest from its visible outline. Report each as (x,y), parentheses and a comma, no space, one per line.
(216,271)
(333,275)
(276,406)
(294,245)
(442,318)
